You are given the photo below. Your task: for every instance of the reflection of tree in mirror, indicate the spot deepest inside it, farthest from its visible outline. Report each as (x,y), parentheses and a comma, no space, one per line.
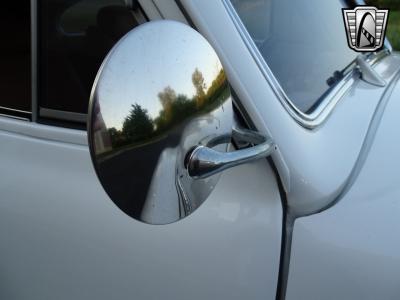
(218,89)
(138,126)
(115,136)
(199,84)
(167,98)
(179,107)
(175,109)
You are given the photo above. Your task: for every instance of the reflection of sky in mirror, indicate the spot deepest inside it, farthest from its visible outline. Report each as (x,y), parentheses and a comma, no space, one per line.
(136,73)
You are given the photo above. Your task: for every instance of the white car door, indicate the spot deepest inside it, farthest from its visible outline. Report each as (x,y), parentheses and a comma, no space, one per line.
(61,235)
(336,155)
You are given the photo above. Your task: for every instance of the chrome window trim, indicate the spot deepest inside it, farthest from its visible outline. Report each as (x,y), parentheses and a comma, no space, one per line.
(34,32)
(15,110)
(13,113)
(324,108)
(14,117)
(63,115)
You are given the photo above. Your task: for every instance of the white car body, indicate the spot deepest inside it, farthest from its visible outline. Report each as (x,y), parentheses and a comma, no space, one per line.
(317,221)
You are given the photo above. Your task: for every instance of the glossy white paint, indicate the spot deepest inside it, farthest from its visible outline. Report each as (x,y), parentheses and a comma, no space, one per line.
(63,238)
(315,165)
(344,252)
(351,251)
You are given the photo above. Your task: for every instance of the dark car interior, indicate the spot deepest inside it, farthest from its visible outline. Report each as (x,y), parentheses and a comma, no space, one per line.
(15,56)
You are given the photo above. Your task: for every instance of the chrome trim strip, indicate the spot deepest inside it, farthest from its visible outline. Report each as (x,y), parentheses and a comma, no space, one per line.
(14,117)
(43,132)
(15,110)
(324,109)
(34,32)
(63,115)
(158,10)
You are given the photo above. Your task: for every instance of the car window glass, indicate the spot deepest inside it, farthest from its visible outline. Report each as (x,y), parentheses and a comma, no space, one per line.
(303,42)
(74,38)
(15,57)
(78,17)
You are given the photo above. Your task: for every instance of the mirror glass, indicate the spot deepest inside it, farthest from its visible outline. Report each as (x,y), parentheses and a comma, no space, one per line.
(160,92)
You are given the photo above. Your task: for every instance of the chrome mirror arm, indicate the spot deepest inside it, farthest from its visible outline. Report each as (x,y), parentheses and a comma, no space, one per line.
(204,161)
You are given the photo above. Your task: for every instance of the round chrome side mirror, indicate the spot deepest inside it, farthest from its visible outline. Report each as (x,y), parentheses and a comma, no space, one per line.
(160,120)
(160,92)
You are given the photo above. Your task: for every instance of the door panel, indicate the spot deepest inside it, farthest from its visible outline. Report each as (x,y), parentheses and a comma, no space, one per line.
(63,238)
(352,249)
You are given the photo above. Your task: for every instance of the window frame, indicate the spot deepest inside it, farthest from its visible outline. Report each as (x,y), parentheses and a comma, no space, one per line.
(34,60)
(325,106)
